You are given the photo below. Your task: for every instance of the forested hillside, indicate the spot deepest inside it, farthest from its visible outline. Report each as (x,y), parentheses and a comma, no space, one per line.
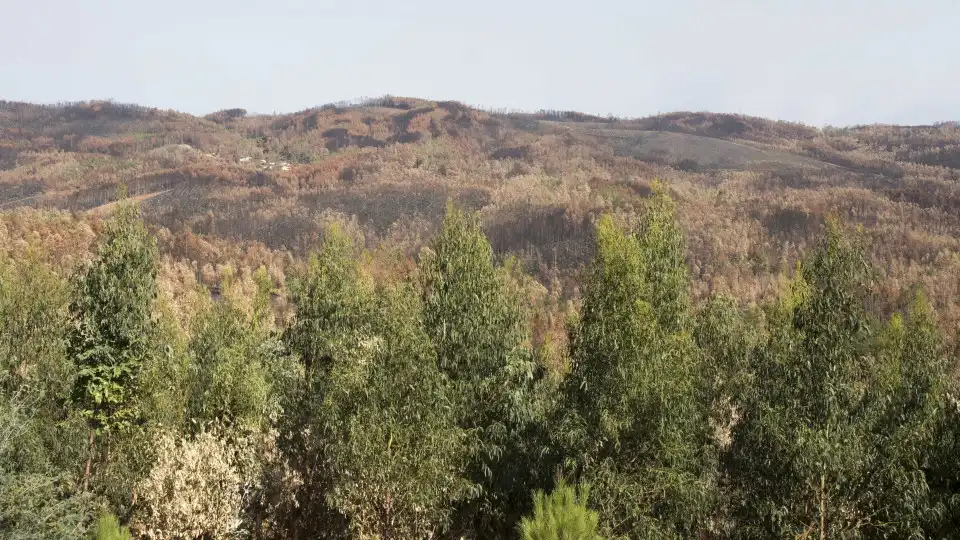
(412,319)
(752,194)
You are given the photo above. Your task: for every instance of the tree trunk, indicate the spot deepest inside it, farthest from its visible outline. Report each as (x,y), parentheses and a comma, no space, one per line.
(86,470)
(823,513)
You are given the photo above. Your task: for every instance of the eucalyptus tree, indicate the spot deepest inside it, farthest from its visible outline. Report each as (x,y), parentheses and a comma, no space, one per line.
(111,325)
(637,426)
(477,328)
(837,432)
(377,435)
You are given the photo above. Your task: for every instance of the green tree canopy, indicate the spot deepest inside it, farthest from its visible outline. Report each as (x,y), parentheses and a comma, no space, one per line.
(906,402)
(111,320)
(112,331)
(232,359)
(395,449)
(478,330)
(636,427)
(838,424)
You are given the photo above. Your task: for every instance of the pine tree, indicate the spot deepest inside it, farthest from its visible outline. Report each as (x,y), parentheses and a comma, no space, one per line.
(561,515)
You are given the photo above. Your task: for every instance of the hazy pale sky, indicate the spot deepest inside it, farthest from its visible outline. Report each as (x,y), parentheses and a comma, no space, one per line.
(817,61)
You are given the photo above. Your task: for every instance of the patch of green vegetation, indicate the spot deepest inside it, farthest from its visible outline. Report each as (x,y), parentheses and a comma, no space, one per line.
(145,135)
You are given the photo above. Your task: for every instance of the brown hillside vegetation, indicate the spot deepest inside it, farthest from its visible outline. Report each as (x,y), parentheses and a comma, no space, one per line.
(751,193)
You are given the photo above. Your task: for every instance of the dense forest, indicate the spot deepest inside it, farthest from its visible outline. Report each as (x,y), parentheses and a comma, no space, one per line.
(409,319)
(417,403)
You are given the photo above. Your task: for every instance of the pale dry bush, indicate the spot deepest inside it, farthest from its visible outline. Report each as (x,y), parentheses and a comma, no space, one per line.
(173,155)
(193,490)
(208,275)
(270,484)
(177,283)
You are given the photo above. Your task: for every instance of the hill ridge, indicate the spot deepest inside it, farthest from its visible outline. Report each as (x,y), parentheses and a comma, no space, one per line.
(751,192)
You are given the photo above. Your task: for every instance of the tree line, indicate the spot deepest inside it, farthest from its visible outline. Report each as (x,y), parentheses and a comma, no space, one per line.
(414,404)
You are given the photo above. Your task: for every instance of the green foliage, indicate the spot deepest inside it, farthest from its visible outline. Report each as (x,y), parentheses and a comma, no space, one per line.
(838,426)
(33,301)
(411,407)
(377,429)
(164,377)
(229,355)
(35,372)
(335,311)
(727,337)
(108,528)
(395,451)
(240,380)
(944,472)
(906,401)
(800,447)
(664,254)
(37,502)
(333,303)
(475,325)
(561,515)
(111,321)
(38,499)
(42,507)
(830,324)
(636,427)
(477,328)
(614,324)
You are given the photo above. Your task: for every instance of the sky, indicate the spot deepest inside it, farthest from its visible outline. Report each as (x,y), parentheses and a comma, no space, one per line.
(820,62)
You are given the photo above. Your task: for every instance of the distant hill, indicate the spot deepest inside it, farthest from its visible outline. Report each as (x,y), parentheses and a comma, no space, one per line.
(752,193)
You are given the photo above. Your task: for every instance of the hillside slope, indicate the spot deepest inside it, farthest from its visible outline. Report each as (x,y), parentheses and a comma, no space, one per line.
(752,193)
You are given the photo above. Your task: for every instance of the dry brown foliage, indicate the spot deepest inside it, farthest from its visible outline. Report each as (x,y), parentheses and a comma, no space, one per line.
(232,189)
